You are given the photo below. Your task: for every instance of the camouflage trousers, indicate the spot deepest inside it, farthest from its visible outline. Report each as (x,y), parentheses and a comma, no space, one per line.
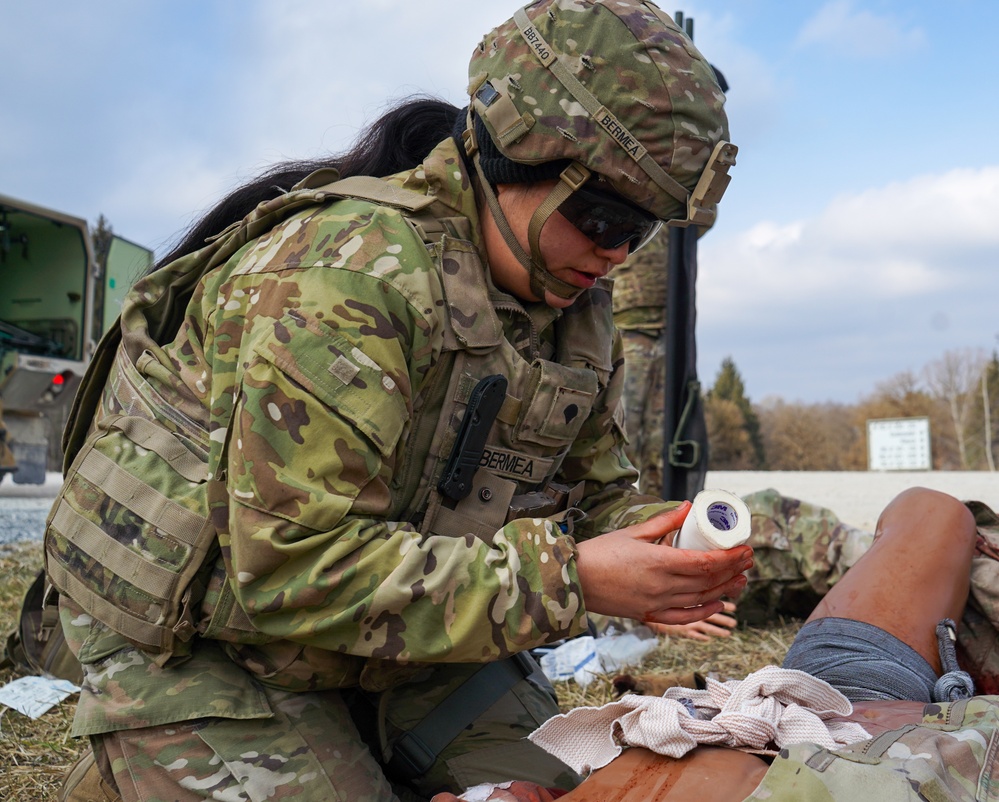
(645,403)
(311,749)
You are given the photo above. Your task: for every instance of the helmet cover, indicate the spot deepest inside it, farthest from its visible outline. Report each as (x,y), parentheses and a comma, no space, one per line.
(612,84)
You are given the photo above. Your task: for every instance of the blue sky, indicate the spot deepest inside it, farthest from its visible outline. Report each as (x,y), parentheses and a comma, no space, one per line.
(859,237)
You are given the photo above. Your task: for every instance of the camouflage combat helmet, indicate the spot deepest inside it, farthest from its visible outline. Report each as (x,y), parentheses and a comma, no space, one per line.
(608,87)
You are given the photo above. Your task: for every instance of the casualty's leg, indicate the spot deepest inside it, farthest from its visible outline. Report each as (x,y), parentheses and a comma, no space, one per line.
(914,575)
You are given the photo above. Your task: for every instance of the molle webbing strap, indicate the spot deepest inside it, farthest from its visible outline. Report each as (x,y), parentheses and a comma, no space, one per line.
(613,127)
(154,437)
(510,411)
(156,582)
(156,638)
(153,580)
(157,613)
(171,518)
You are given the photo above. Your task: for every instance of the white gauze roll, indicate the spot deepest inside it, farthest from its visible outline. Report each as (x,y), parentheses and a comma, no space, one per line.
(718,520)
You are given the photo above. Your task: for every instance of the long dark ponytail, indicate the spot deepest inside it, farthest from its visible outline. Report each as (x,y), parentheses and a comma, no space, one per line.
(398,140)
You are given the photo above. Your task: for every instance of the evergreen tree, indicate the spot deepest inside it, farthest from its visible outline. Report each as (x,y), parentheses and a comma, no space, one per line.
(101,240)
(730,387)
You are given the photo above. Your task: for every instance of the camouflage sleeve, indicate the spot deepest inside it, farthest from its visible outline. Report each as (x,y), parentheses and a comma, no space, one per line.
(325,398)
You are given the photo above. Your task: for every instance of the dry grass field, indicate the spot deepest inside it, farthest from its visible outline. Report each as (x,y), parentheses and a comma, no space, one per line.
(34,754)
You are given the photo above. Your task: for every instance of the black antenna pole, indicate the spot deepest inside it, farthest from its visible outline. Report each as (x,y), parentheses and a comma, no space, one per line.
(684,455)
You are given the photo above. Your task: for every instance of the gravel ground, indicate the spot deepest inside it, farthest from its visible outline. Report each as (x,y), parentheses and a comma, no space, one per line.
(23,508)
(856,496)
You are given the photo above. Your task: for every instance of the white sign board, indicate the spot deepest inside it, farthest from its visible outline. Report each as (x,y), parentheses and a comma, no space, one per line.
(899,444)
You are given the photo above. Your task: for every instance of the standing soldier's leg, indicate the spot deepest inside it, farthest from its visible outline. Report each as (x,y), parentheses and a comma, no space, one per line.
(644,378)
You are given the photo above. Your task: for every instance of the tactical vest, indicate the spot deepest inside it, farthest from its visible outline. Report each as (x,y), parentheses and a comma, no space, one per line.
(141,556)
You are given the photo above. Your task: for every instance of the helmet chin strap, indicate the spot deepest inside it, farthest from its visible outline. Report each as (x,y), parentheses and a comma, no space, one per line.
(573,177)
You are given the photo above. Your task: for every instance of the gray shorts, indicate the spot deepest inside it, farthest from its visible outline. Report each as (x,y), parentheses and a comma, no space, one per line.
(861,661)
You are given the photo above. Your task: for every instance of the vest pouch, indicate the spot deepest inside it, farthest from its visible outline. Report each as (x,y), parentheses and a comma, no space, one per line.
(557,403)
(38,645)
(132,556)
(482,512)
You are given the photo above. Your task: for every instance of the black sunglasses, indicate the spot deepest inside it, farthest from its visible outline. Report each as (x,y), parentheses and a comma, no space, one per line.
(608,219)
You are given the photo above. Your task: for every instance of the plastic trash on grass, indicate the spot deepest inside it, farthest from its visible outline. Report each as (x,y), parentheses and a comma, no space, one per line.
(34,696)
(585,658)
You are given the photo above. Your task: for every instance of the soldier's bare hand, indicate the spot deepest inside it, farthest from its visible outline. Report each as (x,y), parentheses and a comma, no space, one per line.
(718,625)
(632,573)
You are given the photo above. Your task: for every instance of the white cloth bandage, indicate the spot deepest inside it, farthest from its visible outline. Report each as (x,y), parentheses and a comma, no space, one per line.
(772,707)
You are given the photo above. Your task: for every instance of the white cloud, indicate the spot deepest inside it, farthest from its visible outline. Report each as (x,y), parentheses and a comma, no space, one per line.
(757,89)
(910,238)
(330,69)
(859,32)
(880,281)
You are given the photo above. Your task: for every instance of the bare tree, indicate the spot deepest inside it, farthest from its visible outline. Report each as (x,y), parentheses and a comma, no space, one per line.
(984,416)
(954,379)
(807,437)
(987,414)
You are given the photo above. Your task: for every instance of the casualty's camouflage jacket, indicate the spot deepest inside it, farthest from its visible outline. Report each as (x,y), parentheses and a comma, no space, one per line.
(309,354)
(950,755)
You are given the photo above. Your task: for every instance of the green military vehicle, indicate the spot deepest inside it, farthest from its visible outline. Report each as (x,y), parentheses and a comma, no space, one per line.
(56,299)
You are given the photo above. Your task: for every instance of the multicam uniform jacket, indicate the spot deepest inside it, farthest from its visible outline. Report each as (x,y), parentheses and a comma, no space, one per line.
(640,287)
(308,362)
